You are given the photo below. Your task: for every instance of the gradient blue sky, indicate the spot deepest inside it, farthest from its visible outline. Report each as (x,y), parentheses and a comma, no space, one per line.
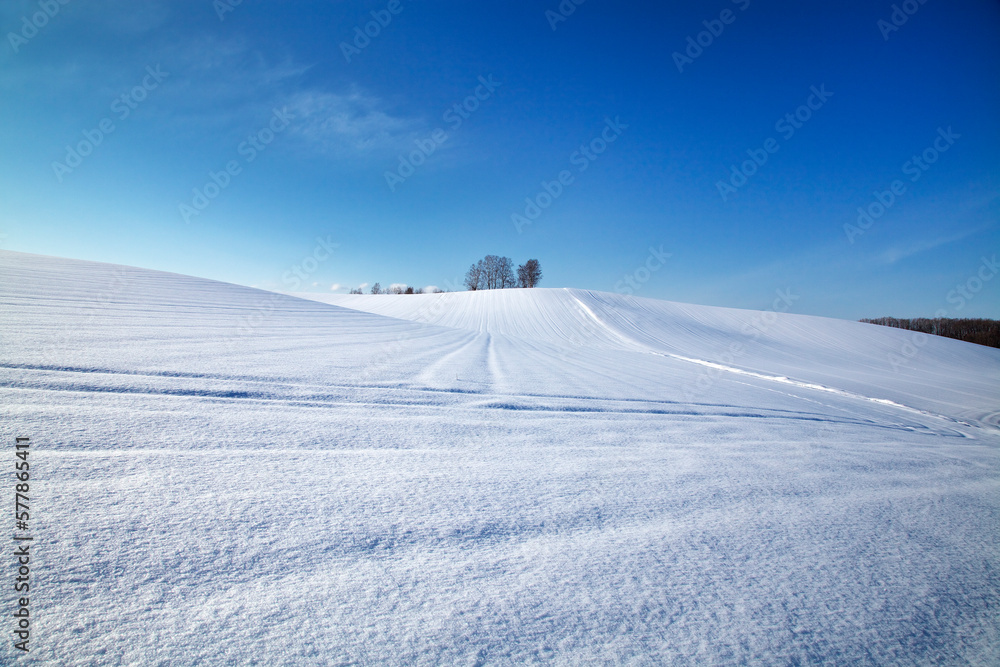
(656,185)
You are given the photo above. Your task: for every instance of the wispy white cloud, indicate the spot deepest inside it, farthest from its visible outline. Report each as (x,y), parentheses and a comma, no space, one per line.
(899,252)
(222,81)
(349,124)
(223,85)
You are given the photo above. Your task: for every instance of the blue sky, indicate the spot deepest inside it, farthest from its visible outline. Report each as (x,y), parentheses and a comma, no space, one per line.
(162,95)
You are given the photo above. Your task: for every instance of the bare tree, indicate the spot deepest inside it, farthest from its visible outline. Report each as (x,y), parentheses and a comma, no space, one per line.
(356,290)
(505,273)
(474,276)
(491,271)
(529,273)
(377,288)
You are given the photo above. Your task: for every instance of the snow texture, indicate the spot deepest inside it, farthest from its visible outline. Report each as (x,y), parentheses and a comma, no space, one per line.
(223,475)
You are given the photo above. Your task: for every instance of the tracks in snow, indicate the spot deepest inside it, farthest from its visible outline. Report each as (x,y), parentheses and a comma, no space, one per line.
(263,393)
(632,344)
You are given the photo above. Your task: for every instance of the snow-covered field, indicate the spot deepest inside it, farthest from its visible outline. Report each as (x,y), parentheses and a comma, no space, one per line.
(222,475)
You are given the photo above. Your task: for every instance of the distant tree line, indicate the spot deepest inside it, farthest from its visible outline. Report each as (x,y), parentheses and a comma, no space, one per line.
(979,331)
(491,272)
(395,289)
(494,272)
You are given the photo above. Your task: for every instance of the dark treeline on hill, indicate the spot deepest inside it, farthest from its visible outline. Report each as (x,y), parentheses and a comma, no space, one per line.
(979,331)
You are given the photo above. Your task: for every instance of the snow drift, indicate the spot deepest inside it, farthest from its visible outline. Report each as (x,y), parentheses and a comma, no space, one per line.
(230,476)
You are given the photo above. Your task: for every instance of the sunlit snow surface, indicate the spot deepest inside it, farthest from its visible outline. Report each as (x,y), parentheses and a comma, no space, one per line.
(222,475)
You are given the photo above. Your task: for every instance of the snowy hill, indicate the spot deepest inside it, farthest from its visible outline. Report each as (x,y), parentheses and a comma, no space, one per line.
(223,475)
(929,372)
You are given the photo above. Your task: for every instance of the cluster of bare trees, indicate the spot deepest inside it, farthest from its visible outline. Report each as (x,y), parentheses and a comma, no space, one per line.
(980,331)
(491,272)
(494,272)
